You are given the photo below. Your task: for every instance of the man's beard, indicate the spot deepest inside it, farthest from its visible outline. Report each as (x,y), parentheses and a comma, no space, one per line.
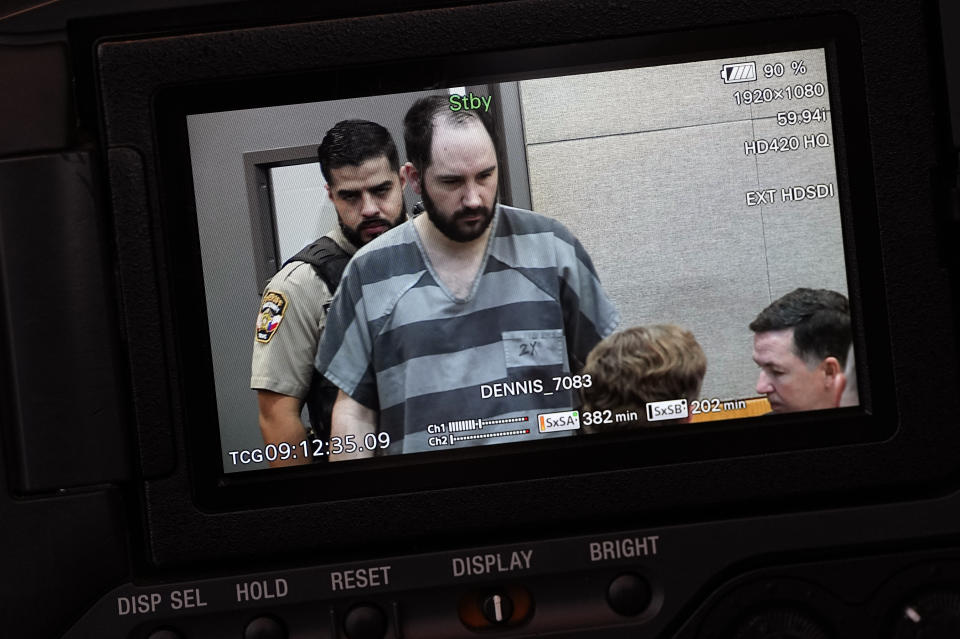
(453,227)
(355,237)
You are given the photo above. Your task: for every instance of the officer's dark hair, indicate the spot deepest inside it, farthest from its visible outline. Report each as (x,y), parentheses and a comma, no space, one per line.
(353,142)
(820,320)
(421,118)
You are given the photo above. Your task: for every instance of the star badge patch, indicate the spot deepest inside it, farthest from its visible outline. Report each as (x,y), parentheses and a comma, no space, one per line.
(271,312)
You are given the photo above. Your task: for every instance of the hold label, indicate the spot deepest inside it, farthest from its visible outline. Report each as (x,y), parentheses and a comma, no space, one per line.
(261,590)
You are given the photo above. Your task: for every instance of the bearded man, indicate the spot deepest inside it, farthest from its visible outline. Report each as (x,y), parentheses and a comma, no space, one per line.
(468,314)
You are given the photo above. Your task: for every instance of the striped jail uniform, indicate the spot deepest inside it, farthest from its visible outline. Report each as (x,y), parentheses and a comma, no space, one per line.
(398,342)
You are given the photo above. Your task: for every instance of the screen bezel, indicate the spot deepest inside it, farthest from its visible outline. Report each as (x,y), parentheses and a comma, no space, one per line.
(873,421)
(912,332)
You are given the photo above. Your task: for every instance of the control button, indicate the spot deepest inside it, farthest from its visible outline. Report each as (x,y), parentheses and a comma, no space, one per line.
(497,608)
(629,594)
(365,621)
(265,628)
(165,633)
(934,615)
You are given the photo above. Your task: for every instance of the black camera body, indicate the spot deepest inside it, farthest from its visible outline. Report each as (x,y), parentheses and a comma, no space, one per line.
(822,525)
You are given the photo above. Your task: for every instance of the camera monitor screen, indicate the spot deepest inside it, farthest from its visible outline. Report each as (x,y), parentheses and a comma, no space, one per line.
(569,254)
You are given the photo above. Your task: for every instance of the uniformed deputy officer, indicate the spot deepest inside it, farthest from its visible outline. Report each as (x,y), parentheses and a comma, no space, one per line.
(360,164)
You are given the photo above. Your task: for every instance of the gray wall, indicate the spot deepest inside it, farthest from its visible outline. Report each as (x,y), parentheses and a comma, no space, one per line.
(649,170)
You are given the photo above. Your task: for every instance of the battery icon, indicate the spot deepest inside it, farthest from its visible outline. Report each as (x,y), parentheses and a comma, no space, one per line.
(739,72)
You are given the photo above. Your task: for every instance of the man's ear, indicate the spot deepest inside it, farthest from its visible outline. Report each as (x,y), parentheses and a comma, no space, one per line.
(329,192)
(409,174)
(831,368)
(833,378)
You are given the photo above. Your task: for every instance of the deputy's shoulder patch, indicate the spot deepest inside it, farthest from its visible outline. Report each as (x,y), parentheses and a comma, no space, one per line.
(271,312)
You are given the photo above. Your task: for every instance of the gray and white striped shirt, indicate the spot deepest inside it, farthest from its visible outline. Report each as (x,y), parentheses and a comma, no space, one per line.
(398,342)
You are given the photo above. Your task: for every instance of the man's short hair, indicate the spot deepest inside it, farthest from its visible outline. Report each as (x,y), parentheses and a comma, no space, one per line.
(820,319)
(353,142)
(643,364)
(420,121)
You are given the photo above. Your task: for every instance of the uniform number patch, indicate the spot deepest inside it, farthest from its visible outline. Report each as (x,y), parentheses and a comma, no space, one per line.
(271,312)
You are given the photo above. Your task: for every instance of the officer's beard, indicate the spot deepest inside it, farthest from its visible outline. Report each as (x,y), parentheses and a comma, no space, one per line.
(355,236)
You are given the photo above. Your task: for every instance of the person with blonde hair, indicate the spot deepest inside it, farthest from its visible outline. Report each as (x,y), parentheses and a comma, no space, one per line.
(639,365)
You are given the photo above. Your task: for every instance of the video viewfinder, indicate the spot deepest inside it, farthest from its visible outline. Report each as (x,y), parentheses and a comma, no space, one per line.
(701,188)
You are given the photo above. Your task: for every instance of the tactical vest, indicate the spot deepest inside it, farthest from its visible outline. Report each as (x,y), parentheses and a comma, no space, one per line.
(329,261)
